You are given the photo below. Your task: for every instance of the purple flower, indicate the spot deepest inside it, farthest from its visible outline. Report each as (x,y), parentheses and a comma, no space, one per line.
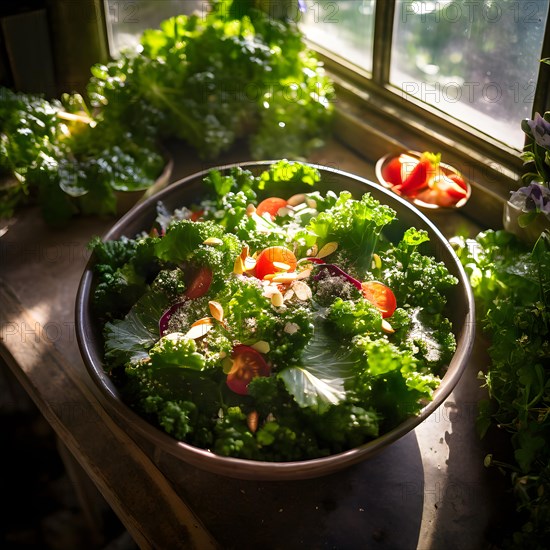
(302,6)
(540,130)
(533,198)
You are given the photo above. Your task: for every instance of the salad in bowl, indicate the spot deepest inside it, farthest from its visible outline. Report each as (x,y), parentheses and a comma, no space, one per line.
(270,325)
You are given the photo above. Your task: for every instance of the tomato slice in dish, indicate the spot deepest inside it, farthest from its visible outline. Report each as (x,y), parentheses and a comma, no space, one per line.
(380,296)
(247,364)
(200,283)
(267,260)
(271,206)
(459,180)
(392,171)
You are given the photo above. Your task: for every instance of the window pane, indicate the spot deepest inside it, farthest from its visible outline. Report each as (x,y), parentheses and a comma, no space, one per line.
(127,19)
(476,60)
(344,27)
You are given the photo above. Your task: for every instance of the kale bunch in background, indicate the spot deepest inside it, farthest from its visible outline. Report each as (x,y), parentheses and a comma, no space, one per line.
(30,143)
(511,284)
(55,154)
(213,78)
(233,73)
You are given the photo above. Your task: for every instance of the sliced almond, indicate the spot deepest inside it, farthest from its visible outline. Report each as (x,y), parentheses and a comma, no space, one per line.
(302,291)
(261,346)
(327,250)
(203,321)
(252,421)
(250,209)
(289,294)
(284,278)
(277,299)
(386,327)
(284,211)
(216,310)
(296,199)
(291,328)
(213,241)
(198,331)
(281,266)
(312,203)
(304,274)
(269,290)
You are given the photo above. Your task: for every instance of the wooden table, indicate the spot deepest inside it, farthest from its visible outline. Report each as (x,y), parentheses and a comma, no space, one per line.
(428,490)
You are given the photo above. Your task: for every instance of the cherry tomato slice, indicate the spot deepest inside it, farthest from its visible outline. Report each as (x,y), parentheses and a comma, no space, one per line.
(380,296)
(449,192)
(271,206)
(200,283)
(459,180)
(392,171)
(274,254)
(247,364)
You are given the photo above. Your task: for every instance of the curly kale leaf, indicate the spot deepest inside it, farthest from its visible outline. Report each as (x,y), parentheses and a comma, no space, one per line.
(345,426)
(175,350)
(119,285)
(352,317)
(283,431)
(391,381)
(355,225)
(254,322)
(233,437)
(113,254)
(179,400)
(184,241)
(292,433)
(177,418)
(117,290)
(237,180)
(288,173)
(122,268)
(416,279)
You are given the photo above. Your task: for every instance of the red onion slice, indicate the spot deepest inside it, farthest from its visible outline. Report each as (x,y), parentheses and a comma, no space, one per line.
(337,271)
(167,315)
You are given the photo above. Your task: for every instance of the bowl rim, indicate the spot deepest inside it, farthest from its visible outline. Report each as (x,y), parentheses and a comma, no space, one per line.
(428,207)
(252,469)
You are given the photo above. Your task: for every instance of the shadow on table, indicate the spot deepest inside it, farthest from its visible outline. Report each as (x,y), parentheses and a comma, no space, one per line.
(378,502)
(470,505)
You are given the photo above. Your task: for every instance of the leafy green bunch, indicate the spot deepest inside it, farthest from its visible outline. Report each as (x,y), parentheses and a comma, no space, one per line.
(235,73)
(511,284)
(211,79)
(55,154)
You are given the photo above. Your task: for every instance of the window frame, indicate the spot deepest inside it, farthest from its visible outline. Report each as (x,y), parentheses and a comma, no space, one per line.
(375,117)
